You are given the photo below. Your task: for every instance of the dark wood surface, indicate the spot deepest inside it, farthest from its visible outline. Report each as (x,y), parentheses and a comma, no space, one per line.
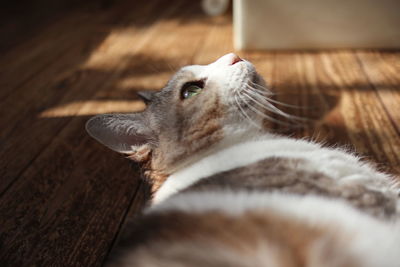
(64,197)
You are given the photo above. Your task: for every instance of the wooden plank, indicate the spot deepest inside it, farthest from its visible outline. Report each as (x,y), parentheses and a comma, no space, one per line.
(294,79)
(139,202)
(62,41)
(332,88)
(64,70)
(321,100)
(66,200)
(17,67)
(366,121)
(37,236)
(45,163)
(26,134)
(217,43)
(382,70)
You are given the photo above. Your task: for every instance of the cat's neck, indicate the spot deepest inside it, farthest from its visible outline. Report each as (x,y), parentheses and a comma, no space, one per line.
(233,156)
(233,137)
(175,158)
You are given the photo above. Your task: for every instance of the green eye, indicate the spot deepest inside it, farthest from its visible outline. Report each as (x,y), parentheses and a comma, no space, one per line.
(190,89)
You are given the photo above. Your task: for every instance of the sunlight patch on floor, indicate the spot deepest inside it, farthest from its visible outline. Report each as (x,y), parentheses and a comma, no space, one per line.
(93,107)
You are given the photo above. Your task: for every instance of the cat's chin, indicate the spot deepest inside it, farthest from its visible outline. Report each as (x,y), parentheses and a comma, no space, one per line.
(252,76)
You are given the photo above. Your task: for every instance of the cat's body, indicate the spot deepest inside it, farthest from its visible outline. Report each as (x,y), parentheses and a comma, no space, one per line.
(291,166)
(228,192)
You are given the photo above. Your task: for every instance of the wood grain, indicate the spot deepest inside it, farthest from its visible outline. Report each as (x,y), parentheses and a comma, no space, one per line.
(64,198)
(20,111)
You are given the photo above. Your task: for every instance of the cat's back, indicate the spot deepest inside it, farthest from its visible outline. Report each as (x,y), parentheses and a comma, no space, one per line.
(214,237)
(255,229)
(262,204)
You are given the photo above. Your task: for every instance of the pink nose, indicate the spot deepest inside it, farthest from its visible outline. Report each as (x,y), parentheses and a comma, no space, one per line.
(229,59)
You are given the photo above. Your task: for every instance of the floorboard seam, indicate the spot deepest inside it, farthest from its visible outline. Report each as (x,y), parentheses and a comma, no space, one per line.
(45,147)
(376,93)
(122,221)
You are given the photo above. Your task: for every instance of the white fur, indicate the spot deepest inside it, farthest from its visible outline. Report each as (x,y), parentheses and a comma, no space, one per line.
(333,163)
(373,242)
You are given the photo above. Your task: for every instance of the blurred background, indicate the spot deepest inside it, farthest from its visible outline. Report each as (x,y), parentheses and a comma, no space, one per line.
(64,198)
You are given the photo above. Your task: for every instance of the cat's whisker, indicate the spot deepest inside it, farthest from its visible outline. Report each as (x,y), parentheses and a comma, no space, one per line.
(267,101)
(262,88)
(285,104)
(242,111)
(262,91)
(267,106)
(265,116)
(269,118)
(244,114)
(266,94)
(264,103)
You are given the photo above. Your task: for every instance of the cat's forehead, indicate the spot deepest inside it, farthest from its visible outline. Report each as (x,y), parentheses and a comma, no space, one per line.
(185,74)
(190,73)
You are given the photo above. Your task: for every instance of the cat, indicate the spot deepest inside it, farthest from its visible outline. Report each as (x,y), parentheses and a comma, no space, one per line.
(227,191)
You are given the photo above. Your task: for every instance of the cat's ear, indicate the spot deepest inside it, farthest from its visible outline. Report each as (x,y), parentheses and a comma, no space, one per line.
(124,133)
(146,96)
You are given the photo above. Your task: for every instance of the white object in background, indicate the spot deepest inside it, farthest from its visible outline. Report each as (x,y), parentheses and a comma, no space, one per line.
(316,24)
(215,7)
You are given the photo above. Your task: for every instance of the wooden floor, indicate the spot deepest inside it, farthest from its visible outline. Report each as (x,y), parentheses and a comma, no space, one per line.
(64,197)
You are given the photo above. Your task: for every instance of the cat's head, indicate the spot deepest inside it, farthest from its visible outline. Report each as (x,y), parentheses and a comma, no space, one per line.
(199,108)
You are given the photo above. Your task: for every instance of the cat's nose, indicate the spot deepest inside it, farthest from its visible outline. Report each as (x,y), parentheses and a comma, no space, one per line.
(228,59)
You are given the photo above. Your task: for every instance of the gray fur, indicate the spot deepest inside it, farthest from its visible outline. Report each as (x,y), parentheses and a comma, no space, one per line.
(287,175)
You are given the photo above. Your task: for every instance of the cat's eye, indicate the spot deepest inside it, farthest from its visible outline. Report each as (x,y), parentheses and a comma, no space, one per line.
(190,89)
